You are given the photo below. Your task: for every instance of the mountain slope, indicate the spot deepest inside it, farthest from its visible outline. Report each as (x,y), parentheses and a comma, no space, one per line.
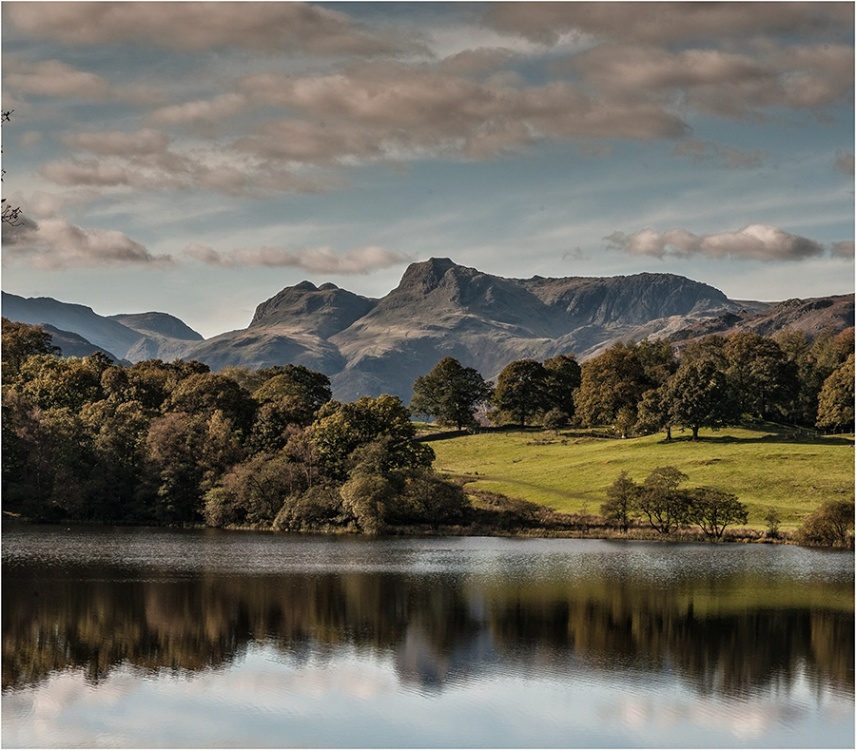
(439,308)
(103,332)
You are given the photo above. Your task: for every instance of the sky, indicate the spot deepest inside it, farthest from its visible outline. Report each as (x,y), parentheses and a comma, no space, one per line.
(197,158)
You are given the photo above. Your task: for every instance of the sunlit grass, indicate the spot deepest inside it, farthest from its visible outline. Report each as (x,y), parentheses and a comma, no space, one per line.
(570,472)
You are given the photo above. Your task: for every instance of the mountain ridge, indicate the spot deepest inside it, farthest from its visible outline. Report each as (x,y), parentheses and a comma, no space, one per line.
(440,308)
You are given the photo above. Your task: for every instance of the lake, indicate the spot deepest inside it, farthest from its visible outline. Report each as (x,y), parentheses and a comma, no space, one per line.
(128,637)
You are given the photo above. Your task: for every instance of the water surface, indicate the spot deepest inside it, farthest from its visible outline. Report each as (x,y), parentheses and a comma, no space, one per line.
(162,638)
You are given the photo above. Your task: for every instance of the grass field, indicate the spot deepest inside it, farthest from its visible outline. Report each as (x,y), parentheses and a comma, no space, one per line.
(570,472)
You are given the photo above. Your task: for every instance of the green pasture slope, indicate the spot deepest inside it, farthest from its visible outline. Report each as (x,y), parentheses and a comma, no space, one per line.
(569,472)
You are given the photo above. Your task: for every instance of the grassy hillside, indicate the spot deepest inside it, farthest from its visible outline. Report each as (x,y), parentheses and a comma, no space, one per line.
(570,472)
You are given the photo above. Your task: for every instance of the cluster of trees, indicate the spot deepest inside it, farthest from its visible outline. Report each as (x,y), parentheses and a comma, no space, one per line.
(649,387)
(171,443)
(661,503)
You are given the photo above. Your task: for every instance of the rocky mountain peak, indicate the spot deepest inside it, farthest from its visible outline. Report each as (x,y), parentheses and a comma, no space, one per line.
(425,276)
(323,310)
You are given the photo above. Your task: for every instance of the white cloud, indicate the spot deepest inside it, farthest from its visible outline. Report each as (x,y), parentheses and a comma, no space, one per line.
(54,78)
(258,26)
(55,244)
(317,260)
(753,242)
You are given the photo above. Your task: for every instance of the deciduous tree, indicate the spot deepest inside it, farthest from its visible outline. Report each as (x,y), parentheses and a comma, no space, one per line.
(835,402)
(450,393)
(660,500)
(521,391)
(714,509)
(621,505)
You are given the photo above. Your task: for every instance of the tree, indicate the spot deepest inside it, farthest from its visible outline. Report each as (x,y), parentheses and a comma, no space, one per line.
(450,393)
(253,491)
(835,402)
(697,396)
(50,382)
(611,383)
(623,496)
(773,519)
(304,390)
(830,525)
(185,454)
(563,378)
(289,396)
(661,502)
(342,428)
(761,379)
(21,341)
(521,391)
(658,361)
(714,509)
(206,392)
(653,414)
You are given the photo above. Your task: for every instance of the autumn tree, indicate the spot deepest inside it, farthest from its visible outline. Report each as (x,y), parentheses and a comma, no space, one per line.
(21,341)
(611,384)
(831,525)
(835,409)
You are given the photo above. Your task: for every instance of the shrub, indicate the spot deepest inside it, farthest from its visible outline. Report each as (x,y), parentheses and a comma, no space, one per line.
(829,526)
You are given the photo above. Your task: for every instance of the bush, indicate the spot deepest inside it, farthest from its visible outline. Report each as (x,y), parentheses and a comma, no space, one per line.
(829,526)
(314,509)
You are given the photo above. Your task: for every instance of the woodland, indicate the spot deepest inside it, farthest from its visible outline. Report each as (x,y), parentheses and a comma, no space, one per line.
(172,443)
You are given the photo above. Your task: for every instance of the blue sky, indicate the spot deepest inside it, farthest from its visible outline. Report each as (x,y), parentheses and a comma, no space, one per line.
(196,158)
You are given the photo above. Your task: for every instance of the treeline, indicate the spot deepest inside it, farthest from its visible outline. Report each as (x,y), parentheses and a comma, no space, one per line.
(173,443)
(648,387)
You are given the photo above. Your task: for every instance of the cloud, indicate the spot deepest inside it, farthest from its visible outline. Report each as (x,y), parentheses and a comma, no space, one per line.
(257,26)
(844,162)
(724,83)
(54,78)
(202,111)
(317,260)
(140,143)
(55,244)
(844,249)
(392,111)
(662,22)
(753,242)
(722,156)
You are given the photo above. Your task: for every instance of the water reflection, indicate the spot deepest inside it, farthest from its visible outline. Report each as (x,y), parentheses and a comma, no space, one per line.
(727,636)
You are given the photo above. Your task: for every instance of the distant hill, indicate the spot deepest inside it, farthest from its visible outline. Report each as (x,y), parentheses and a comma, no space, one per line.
(113,335)
(440,308)
(72,345)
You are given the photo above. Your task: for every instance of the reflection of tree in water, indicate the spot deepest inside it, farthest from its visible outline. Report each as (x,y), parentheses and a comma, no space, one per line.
(436,628)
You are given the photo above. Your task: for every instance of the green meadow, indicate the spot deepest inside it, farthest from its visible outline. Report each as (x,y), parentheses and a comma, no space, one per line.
(569,471)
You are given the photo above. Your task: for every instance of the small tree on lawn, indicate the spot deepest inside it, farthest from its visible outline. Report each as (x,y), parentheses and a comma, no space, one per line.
(661,502)
(714,509)
(620,507)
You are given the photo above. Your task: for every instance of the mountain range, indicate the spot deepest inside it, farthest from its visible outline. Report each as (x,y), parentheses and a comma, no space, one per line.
(371,346)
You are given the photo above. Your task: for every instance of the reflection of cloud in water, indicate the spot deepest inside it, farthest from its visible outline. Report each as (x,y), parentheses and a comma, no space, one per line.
(745,721)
